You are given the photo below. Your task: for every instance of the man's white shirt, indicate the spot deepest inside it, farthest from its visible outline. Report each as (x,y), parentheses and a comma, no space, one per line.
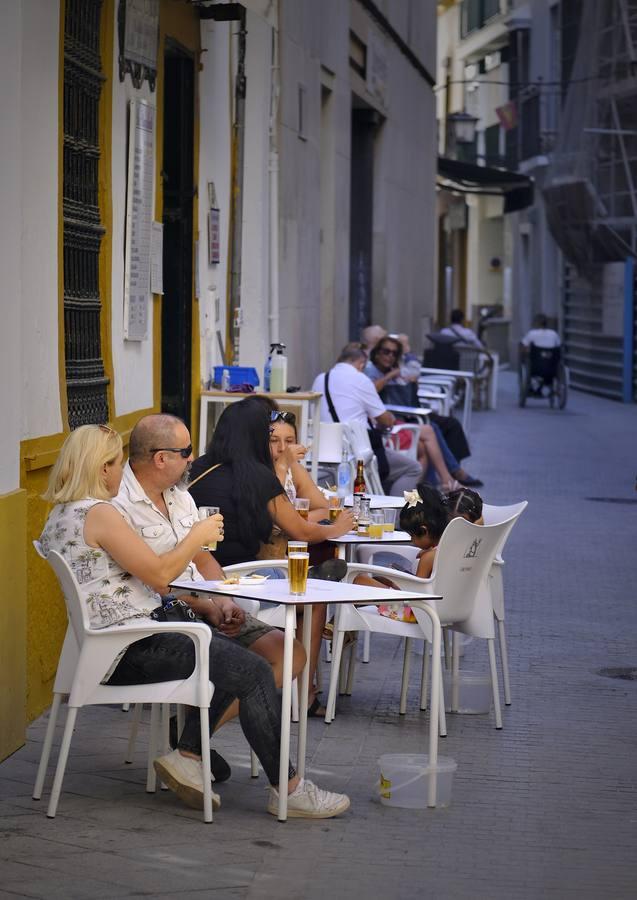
(545,338)
(466,335)
(354,396)
(160,533)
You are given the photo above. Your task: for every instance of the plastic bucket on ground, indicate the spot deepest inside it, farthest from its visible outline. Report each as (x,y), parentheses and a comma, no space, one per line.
(469,694)
(404,779)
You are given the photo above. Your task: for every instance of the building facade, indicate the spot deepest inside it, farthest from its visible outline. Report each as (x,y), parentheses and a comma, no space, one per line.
(182,184)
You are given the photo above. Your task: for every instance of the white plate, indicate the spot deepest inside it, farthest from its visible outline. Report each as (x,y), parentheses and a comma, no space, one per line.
(246,579)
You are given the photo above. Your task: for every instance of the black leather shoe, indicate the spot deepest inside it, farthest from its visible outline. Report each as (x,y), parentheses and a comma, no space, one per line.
(219,768)
(470,482)
(330,570)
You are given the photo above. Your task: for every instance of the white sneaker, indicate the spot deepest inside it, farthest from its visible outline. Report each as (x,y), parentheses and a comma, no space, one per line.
(184,776)
(307,801)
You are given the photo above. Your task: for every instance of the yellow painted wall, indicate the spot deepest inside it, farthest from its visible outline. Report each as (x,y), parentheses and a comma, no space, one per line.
(13,621)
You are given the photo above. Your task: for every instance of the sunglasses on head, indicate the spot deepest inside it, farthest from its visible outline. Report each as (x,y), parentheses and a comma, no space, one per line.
(278,415)
(183,451)
(107,429)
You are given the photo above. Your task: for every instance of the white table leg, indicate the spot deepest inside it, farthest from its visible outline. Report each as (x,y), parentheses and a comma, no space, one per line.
(304,688)
(286,700)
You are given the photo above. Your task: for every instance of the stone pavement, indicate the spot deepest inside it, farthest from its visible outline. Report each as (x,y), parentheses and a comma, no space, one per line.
(544,808)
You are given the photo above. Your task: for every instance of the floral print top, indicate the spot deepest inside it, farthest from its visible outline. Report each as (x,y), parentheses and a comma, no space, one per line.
(111,594)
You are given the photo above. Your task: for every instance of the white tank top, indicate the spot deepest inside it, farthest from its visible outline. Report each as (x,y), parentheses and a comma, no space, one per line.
(111,594)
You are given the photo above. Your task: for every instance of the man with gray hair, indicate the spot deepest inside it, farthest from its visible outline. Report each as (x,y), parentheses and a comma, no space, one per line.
(355,399)
(155,502)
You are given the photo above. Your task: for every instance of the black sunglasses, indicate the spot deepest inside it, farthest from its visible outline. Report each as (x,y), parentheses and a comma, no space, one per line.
(387,351)
(183,451)
(287,417)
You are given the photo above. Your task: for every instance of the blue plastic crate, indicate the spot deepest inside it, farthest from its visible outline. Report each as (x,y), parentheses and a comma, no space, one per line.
(238,375)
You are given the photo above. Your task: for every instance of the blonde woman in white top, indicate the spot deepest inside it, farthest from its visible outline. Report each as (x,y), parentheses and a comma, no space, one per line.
(120,577)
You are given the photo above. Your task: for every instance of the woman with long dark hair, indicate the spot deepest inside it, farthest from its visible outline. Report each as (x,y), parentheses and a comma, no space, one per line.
(236,473)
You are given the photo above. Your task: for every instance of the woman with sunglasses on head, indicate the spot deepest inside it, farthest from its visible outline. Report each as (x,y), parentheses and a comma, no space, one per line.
(435,457)
(119,578)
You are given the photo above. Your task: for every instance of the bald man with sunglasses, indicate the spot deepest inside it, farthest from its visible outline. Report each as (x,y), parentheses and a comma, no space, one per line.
(154,500)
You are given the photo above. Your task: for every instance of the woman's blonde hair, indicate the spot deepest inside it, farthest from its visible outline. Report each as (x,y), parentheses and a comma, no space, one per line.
(77,473)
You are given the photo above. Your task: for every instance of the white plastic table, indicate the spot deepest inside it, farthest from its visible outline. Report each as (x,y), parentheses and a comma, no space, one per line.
(326,592)
(379,501)
(420,412)
(348,542)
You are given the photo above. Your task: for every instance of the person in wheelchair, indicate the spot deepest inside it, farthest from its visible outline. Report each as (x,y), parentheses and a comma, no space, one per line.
(541,348)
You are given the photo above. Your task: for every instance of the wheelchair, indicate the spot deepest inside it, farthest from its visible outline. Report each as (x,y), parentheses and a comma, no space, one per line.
(543,375)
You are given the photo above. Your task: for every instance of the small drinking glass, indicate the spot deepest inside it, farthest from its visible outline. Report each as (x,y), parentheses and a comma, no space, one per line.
(204,513)
(390,520)
(335,508)
(297,572)
(363,516)
(302,506)
(376,524)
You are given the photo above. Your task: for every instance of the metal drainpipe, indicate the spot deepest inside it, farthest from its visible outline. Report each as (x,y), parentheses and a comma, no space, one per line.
(273,173)
(238,138)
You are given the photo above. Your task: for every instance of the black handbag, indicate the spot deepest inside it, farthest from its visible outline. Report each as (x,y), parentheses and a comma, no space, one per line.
(173,609)
(375,434)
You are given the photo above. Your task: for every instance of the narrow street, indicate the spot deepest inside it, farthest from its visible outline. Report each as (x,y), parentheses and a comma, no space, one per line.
(543,808)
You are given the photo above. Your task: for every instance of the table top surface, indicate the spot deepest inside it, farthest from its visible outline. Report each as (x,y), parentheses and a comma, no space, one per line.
(277,590)
(294,395)
(389,537)
(409,410)
(379,501)
(457,373)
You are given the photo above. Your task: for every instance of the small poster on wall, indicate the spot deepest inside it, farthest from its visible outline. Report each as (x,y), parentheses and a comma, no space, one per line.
(214,236)
(139,214)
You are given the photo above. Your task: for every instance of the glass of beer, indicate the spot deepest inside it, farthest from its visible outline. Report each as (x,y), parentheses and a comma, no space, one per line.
(204,513)
(390,520)
(335,508)
(297,547)
(376,524)
(302,506)
(297,572)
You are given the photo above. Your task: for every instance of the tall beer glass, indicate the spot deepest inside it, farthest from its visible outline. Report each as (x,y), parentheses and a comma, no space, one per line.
(297,572)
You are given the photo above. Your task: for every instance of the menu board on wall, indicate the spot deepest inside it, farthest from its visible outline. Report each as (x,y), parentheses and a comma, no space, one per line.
(139,211)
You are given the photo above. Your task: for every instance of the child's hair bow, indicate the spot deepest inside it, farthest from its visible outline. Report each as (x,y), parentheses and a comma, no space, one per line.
(412,498)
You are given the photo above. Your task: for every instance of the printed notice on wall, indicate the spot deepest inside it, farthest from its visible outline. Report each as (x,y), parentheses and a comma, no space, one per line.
(157,258)
(139,213)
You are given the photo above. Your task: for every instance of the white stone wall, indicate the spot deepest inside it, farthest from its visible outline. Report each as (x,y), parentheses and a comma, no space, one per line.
(315,286)
(37,130)
(10,247)
(132,360)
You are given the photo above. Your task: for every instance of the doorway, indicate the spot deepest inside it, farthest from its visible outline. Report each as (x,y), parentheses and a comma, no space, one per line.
(177,177)
(365,122)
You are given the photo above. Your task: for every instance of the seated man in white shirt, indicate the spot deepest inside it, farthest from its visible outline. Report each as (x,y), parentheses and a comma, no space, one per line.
(541,335)
(459,330)
(154,500)
(356,399)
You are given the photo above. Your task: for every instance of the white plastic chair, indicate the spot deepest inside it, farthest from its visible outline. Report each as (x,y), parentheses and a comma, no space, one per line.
(493,515)
(358,438)
(96,651)
(463,561)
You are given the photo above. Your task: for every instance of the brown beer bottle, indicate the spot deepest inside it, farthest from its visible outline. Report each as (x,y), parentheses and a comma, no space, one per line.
(359,484)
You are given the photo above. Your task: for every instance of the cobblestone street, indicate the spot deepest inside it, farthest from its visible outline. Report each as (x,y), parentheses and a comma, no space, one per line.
(544,808)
